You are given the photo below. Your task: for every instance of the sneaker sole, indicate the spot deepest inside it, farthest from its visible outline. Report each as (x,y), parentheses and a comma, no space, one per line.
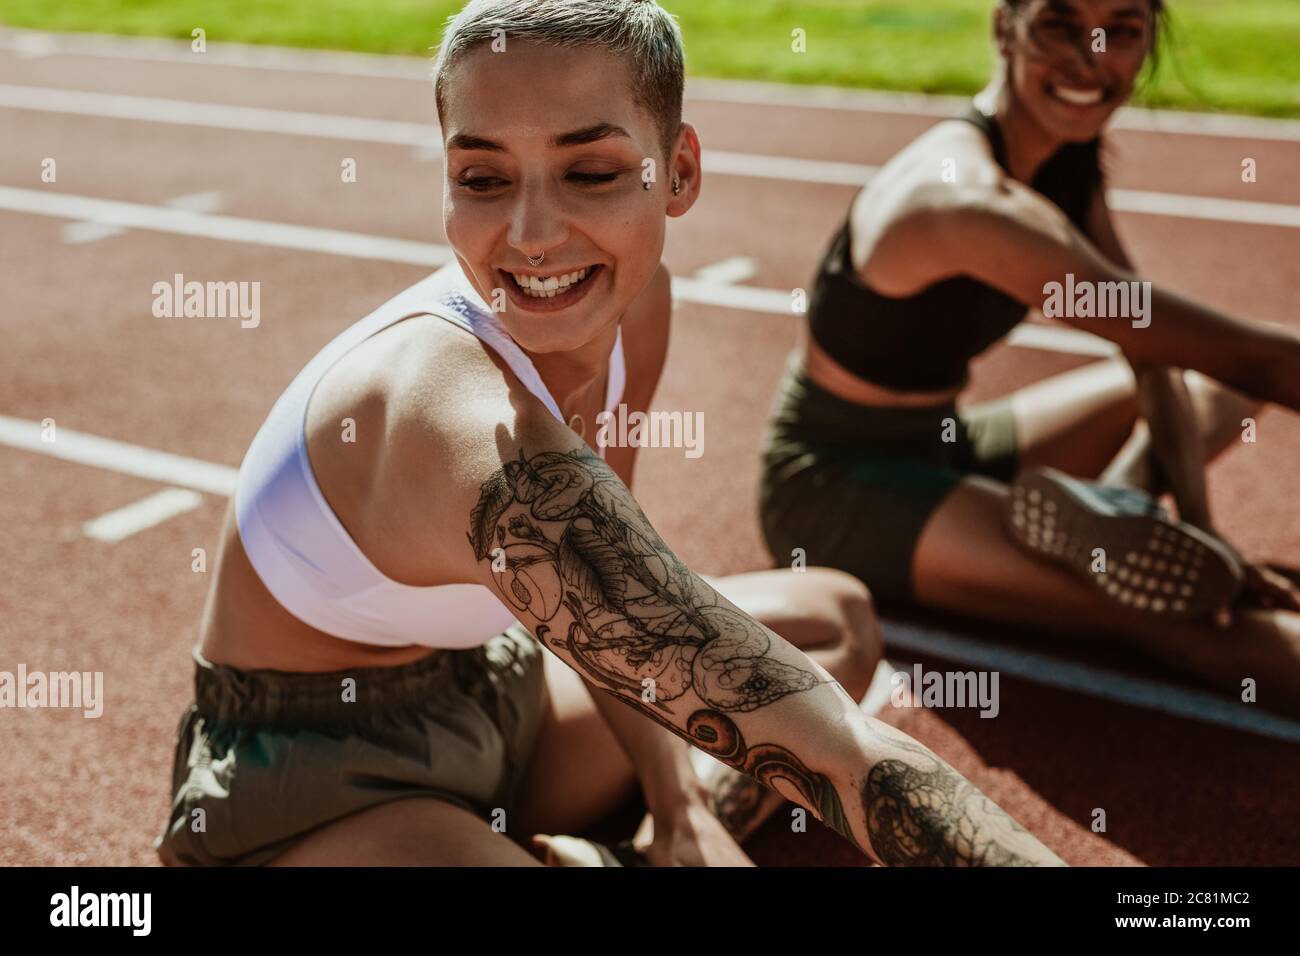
(1153,566)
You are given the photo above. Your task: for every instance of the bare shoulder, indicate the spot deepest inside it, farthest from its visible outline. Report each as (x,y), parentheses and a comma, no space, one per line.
(436,414)
(937,177)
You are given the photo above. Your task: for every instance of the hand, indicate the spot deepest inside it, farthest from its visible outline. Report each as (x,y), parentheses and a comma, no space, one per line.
(690,835)
(1262,587)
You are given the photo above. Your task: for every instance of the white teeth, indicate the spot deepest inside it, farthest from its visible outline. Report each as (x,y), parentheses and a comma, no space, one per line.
(549,287)
(1078,97)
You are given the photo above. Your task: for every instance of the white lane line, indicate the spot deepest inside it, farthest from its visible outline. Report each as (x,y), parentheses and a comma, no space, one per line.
(1129,119)
(787,168)
(249,119)
(129,459)
(31,43)
(1204,207)
(1184,702)
(231,228)
(728,271)
(119,456)
(86,209)
(210,201)
(143,514)
(79,233)
(424,136)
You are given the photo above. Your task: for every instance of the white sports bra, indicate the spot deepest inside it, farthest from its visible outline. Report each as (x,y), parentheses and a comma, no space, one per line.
(298,546)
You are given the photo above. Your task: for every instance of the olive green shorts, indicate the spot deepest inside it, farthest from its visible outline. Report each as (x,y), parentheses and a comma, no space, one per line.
(853,486)
(264,757)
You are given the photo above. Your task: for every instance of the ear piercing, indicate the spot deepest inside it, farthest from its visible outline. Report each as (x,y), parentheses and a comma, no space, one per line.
(677,184)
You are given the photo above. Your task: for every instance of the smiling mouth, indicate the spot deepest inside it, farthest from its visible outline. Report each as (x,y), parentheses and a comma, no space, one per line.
(549,287)
(550,293)
(1077,96)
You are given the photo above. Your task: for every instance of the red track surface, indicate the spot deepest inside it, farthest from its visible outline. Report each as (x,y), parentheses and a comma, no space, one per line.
(80,346)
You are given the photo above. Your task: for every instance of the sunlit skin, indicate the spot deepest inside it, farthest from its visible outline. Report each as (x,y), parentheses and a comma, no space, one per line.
(1047,46)
(545,157)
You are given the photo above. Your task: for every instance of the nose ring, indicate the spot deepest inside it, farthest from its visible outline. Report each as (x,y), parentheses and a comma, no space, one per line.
(537,261)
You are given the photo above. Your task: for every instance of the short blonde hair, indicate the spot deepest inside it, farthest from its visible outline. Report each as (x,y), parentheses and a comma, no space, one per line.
(641,31)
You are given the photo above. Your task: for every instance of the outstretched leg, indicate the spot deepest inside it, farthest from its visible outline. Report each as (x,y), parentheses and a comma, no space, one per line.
(966,562)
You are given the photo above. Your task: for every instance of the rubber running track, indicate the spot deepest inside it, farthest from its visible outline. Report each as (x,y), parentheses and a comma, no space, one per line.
(81,347)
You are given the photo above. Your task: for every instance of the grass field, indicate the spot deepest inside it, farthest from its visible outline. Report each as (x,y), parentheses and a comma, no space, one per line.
(1233,55)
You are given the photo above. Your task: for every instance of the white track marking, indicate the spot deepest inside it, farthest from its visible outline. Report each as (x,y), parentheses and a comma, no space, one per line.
(786,168)
(248,119)
(122,457)
(31,43)
(129,459)
(143,514)
(1184,702)
(196,202)
(79,233)
(86,209)
(1204,207)
(1129,118)
(728,271)
(424,136)
(256,231)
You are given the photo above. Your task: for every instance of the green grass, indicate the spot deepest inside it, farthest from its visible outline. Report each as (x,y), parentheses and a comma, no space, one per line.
(1233,55)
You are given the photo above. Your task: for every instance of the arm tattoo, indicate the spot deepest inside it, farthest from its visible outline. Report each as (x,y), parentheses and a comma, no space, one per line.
(571,538)
(923,813)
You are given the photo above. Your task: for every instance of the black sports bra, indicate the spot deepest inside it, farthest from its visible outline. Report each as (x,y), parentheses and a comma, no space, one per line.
(924,342)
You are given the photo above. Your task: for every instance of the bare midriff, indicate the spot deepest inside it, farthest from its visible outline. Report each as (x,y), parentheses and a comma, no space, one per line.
(245,627)
(830,375)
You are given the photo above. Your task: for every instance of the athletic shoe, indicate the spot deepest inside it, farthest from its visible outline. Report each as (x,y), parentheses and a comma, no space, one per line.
(1147,562)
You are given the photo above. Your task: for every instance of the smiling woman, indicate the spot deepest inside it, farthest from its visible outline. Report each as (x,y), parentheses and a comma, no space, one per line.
(457,622)
(585,209)
(968,507)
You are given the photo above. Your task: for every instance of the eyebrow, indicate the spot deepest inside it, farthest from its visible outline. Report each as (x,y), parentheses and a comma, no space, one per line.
(577,137)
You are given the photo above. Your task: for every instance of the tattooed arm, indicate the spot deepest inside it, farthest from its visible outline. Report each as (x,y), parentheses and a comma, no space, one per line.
(581,566)
(661,759)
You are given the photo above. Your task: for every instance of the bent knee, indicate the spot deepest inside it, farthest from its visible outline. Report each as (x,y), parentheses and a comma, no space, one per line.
(855,618)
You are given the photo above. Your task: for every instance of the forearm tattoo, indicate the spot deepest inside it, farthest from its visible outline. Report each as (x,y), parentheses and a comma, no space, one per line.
(561,531)
(921,812)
